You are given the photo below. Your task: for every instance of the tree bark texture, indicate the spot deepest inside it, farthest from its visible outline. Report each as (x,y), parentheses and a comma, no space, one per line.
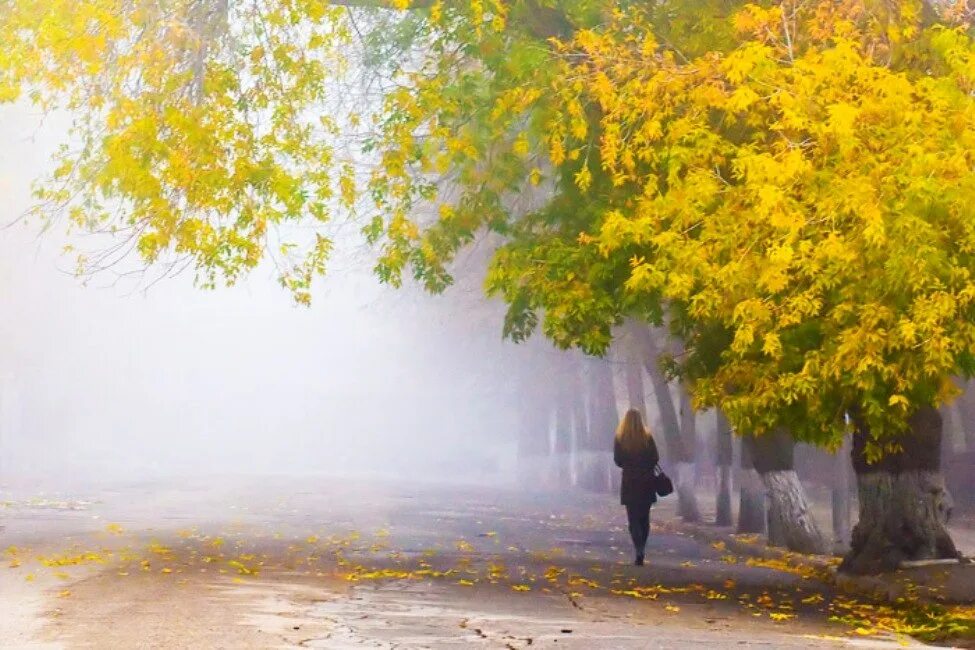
(790,520)
(904,505)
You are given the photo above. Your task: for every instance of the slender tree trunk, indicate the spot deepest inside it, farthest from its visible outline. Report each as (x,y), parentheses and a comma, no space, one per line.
(751,503)
(790,520)
(686,474)
(635,390)
(563,426)
(580,432)
(841,494)
(597,469)
(650,355)
(966,411)
(953,431)
(751,499)
(904,505)
(723,453)
(677,454)
(533,435)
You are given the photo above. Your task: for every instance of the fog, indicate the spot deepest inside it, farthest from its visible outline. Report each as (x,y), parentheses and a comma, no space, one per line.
(120,380)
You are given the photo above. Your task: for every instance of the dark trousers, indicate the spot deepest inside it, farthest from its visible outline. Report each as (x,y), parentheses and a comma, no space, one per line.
(639,519)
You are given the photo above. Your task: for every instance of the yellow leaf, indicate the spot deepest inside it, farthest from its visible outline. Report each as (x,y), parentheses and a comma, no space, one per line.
(896,400)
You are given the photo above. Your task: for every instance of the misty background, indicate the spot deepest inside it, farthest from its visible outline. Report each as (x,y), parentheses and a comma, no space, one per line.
(110,380)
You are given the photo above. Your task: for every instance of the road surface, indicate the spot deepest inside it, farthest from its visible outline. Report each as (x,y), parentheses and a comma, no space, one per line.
(275,562)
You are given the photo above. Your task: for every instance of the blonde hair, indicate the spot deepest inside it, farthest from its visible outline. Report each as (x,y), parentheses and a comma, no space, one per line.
(632,435)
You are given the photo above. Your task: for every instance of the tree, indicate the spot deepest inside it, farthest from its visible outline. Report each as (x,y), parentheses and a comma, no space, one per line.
(841,494)
(790,183)
(801,203)
(597,469)
(724,453)
(677,452)
(751,496)
(790,520)
(890,530)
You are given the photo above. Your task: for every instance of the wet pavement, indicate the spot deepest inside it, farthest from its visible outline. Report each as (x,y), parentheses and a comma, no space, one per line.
(330,563)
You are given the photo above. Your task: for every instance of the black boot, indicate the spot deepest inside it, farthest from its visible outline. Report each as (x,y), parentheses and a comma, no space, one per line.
(639,559)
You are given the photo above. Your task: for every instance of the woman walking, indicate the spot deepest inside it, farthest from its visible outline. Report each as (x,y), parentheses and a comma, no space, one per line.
(635,451)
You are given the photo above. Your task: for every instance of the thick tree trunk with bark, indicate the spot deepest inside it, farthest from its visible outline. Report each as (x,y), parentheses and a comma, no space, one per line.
(790,520)
(723,454)
(904,505)
(679,459)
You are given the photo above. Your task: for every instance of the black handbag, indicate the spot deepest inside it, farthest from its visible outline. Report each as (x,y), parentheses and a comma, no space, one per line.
(662,485)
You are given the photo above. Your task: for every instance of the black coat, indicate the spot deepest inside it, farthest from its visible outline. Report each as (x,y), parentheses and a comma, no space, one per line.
(636,488)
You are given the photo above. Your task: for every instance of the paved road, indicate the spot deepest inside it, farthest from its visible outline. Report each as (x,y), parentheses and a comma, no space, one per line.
(318,562)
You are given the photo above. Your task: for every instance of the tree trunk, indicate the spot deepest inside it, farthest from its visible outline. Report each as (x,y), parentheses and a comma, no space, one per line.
(790,521)
(953,432)
(635,391)
(677,455)
(650,355)
(723,453)
(536,398)
(580,434)
(563,427)
(533,437)
(904,505)
(841,495)
(751,498)
(686,471)
(596,465)
(966,411)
